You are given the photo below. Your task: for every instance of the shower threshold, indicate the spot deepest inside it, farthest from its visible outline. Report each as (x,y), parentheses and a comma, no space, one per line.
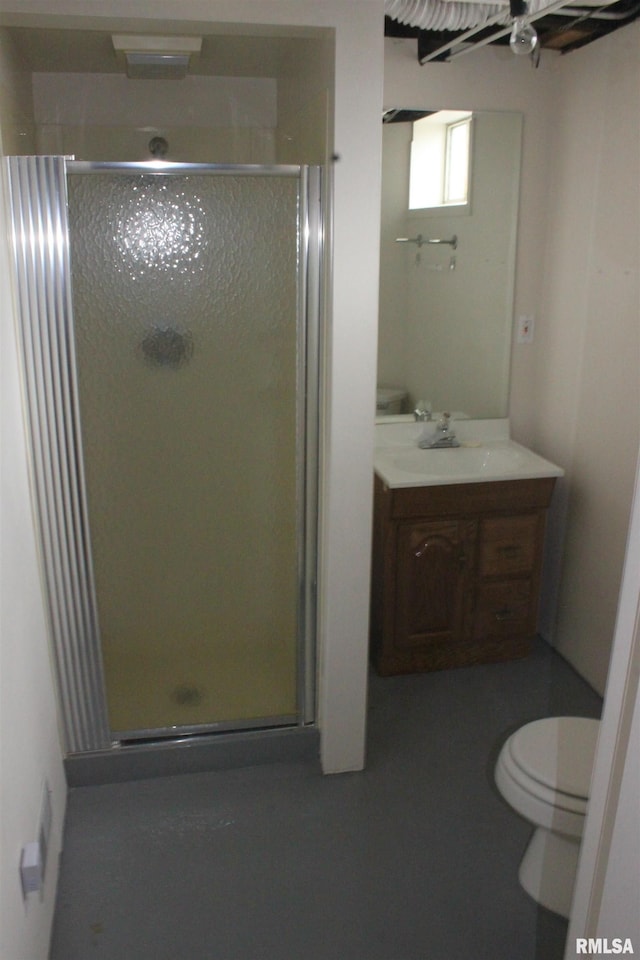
(193,753)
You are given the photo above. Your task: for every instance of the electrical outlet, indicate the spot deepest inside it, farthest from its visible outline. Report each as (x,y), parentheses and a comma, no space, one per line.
(30,869)
(525,329)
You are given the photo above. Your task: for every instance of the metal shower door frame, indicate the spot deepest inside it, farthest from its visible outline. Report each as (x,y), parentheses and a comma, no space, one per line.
(37,188)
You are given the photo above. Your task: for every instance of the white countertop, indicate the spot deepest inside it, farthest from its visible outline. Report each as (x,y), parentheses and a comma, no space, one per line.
(486,453)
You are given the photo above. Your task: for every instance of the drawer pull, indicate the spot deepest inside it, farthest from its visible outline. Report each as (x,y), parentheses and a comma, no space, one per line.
(510,550)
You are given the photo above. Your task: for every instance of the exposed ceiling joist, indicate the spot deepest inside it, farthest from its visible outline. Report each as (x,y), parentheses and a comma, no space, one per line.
(561,26)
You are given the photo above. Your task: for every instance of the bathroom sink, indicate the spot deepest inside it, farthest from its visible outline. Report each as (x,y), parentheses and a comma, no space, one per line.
(469,463)
(484,459)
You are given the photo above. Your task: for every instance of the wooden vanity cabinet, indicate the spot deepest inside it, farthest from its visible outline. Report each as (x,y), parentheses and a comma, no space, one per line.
(456,573)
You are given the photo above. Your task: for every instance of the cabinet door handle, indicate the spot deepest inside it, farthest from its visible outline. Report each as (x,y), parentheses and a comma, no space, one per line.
(505,614)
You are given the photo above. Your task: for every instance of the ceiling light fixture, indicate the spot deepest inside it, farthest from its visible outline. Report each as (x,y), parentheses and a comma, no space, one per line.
(156,58)
(523,37)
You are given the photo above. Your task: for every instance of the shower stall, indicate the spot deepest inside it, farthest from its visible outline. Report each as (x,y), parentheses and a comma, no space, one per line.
(169,324)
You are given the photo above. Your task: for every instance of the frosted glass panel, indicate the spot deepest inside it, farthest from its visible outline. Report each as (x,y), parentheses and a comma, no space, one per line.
(185,307)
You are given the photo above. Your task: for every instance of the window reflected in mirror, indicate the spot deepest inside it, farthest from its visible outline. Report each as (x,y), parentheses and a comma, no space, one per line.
(439,160)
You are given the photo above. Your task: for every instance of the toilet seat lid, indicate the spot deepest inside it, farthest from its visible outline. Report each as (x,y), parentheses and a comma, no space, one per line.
(558,752)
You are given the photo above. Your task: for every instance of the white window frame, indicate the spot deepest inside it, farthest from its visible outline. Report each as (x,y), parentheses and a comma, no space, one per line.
(450,160)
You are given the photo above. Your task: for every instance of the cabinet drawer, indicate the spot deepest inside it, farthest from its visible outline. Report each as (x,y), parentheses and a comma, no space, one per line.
(508,545)
(504,609)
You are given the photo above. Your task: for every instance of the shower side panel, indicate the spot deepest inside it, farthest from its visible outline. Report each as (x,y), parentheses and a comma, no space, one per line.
(37,189)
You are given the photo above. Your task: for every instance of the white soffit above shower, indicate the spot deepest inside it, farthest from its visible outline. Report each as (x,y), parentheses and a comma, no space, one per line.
(221,54)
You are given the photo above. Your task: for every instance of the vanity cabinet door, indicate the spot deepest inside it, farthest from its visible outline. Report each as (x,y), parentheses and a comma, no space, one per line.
(434,566)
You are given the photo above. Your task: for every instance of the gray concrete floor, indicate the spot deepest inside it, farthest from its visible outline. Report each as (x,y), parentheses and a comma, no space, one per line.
(415,858)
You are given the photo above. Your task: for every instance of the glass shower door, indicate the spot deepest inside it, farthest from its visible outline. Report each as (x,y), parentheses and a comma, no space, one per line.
(190,367)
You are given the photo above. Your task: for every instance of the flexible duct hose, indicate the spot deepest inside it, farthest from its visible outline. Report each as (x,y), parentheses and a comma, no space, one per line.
(465,14)
(443,14)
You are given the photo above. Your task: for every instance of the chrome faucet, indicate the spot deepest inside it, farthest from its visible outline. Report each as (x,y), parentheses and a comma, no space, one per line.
(442,437)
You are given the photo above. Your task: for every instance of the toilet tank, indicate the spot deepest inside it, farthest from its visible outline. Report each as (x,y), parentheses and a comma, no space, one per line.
(390,401)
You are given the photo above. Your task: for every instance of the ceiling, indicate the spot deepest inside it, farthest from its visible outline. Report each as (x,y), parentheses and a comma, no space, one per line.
(567,27)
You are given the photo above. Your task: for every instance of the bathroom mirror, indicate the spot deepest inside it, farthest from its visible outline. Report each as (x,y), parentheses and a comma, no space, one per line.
(446,308)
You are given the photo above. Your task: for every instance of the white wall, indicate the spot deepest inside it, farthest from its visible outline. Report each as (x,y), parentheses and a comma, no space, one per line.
(29,746)
(619,906)
(283,118)
(348,480)
(16,101)
(605,902)
(108,117)
(587,349)
(306,102)
(395,258)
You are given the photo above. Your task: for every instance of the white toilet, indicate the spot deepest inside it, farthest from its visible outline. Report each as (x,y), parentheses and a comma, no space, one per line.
(390,401)
(544,773)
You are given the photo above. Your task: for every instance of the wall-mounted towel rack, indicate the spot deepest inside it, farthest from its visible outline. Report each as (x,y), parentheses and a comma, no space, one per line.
(420,241)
